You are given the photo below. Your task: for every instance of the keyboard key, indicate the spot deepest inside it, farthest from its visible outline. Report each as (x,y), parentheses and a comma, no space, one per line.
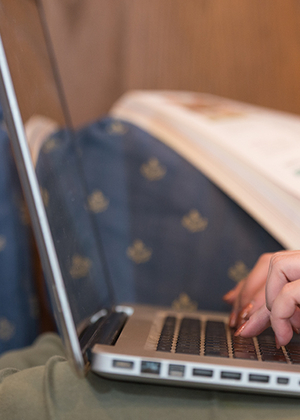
(243,348)
(245,355)
(167,334)
(293,349)
(280,358)
(188,341)
(267,346)
(215,339)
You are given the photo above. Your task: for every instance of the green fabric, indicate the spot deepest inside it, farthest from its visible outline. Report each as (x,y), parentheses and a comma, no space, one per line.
(38,383)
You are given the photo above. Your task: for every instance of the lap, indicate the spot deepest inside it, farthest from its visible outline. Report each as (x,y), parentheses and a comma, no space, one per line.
(38,383)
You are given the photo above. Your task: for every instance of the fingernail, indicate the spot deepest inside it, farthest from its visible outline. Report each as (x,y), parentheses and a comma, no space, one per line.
(240,329)
(277,343)
(245,311)
(296,330)
(232,319)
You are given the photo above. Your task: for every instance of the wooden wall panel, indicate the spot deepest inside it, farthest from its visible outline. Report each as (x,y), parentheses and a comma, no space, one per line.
(247,50)
(87,38)
(26,51)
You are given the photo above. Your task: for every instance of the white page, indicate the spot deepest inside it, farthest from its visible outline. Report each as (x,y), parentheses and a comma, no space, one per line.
(268,141)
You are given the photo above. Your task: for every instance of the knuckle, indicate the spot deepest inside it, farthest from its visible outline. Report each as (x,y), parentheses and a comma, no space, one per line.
(243,295)
(272,319)
(287,288)
(276,259)
(244,298)
(266,256)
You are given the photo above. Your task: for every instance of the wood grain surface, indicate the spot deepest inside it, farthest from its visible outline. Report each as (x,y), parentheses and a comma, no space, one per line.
(243,49)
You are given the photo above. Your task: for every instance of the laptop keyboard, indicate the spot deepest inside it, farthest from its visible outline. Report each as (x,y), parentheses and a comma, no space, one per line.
(214,338)
(188,341)
(165,341)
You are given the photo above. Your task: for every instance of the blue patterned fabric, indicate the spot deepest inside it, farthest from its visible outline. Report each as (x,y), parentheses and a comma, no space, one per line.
(18,302)
(170,236)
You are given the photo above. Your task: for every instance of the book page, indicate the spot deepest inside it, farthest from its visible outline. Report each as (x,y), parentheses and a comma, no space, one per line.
(268,141)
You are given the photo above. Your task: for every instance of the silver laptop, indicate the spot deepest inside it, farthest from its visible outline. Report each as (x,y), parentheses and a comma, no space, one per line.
(125,342)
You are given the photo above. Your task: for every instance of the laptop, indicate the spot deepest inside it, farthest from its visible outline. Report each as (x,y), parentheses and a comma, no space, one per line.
(126,342)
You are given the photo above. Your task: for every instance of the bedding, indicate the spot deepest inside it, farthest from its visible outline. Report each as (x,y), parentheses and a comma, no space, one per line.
(19,309)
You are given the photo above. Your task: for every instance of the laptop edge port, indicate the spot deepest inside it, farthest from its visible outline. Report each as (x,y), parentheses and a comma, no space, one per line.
(208,373)
(123,364)
(176,370)
(152,368)
(231,375)
(282,381)
(258,378)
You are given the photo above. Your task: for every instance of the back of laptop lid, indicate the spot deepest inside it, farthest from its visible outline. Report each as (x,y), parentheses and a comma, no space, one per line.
(73,264)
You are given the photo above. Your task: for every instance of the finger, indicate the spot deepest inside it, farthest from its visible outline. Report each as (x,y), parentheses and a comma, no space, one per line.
(257,301)
(231,296)
(256,324)
(284,311)
(255,280)
(235,307)
(295,321)
(284,268)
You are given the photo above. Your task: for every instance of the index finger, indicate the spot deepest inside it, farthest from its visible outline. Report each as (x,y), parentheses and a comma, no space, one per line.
(284,309)
(255,279)
(256,324)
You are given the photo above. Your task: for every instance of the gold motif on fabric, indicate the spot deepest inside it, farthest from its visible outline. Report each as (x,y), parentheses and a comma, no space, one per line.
(153,170)
(116,127)
(194,222)
(184,303)
(2,242)
(97,202)
(51,145)
(45,196)
(80,266)
(238,271)
(139,253)
(7,329)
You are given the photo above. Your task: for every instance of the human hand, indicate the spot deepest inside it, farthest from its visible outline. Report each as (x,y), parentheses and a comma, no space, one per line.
(281,308)
(249,294)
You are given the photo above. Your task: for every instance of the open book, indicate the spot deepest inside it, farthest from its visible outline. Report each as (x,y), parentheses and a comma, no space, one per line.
(251,153)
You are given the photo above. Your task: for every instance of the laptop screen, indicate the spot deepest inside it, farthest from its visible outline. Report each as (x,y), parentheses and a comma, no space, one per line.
(56,151)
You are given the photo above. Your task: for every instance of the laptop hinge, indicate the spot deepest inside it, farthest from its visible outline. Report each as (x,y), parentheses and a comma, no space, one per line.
(105,330)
